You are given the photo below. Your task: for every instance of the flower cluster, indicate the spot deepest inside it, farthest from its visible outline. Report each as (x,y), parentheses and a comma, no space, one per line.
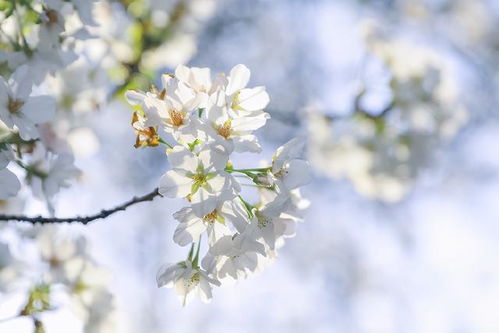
(60,60)
(56,272)
(209,119)
(383,152)
(38,41)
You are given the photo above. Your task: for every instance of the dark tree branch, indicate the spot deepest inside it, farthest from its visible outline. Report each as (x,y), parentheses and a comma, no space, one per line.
(82,219)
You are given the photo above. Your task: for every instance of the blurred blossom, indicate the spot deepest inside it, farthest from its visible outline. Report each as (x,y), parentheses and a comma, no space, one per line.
(83,142)
(383,153)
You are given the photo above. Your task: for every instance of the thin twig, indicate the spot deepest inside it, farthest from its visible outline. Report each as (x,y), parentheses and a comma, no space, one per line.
(81,219)
(3,320)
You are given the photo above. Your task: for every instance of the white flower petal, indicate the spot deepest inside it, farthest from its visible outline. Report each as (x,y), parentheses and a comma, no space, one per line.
(249,123)
(217,183)
(9,184)
(181,158)
(253,99)
(214,155)
(204,290)
(183,73)
(238,79)
(167,275)
(5,157)
(39,109)
(297,173)
(246,143)
(134,97)
(175,185)
(21,83)
(223,246)
(291,150)
(4,92)
(188,232)
(216,231)
(27,129)
(203,203)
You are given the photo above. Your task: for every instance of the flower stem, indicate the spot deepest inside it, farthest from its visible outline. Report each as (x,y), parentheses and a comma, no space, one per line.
(32,170)
(248,170)
(196,258)
(165,143)
(191,252)
(246,173)
(248,207)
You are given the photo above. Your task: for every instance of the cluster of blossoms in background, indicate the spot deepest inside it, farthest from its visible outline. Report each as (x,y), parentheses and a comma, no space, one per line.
(39,40)
(60,61)
(241,215)
(55,272)
(383,151)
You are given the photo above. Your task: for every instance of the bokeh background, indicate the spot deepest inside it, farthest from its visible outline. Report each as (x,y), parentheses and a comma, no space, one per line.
(398,103)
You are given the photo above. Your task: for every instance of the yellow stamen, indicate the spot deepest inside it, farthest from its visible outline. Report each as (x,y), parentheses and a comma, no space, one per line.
(14,105)
(199,178)
(146,136)
(225,129)
(211,217)
(177,118)
(162,94)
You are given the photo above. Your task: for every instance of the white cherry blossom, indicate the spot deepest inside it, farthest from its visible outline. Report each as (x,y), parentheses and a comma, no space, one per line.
(288,166)
(244,100)
(233,131)
(217,223)
(20,110)
(187,280)
(199,79)
(196,176)
(235,256)
(51,172)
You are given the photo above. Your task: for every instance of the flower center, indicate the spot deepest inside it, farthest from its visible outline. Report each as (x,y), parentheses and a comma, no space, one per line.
(80,287)
(235,102)
(52,16)
(211,217)
(146,136)
(14,105)
(54,261)
(162,94)
(263,220)
(225,130)
(281,173)
(194,280)
(199,179)
(177,118)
